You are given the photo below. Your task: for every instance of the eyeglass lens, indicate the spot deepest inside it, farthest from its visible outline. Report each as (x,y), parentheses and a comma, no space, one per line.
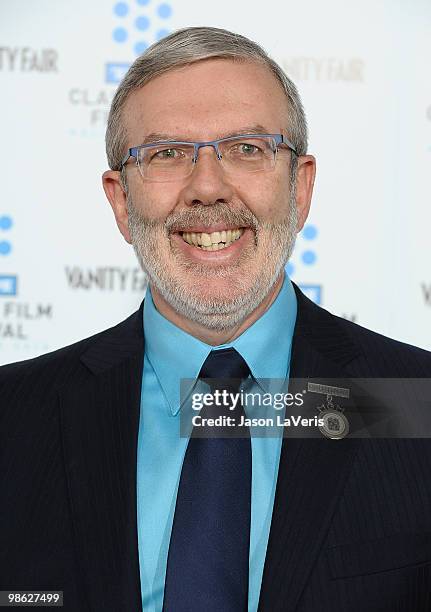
(166,161)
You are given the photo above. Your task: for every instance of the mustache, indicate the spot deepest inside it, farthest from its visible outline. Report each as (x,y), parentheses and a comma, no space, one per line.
(210,215)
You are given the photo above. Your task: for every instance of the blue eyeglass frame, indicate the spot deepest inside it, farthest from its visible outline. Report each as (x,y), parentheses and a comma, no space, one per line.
(278,138)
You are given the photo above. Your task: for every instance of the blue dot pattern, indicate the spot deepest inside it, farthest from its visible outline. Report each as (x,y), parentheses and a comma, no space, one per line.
(5,222)
(5,247)
(290,269)
(309,232)
(162,33)
(142,23)
(140,47)
(309,257)
(119,35)
(129,31)
(164,10)
(121,9)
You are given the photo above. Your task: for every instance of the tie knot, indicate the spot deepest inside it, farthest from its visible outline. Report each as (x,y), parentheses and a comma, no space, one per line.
(224,370)
(225,364)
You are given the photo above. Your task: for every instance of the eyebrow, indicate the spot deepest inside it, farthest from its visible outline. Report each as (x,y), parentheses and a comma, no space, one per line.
(163,136)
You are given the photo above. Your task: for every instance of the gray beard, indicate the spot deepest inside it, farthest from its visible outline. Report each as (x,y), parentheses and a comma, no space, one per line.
(219,312)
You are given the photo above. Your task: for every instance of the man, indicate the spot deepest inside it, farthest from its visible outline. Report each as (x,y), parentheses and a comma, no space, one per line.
(101,497)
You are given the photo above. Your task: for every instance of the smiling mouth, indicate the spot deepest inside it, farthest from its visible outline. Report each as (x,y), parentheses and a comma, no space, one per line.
(214,241)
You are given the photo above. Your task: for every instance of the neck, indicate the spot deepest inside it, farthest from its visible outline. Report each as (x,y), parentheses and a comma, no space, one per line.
(211,336)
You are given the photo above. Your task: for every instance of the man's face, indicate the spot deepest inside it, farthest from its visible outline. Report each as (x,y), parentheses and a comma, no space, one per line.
(202,102)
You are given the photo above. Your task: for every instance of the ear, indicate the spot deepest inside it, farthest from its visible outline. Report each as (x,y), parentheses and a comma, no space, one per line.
(116,195)
(304,187)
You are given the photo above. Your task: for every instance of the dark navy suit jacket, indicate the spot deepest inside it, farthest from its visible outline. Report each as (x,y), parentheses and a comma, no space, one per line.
(351,526)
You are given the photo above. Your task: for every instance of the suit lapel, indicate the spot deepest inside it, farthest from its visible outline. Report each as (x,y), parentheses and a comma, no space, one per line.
(100,420)
(312,472)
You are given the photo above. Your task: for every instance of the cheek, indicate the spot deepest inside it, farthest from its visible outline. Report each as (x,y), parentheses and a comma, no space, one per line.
(268,200)
(155,201)
(279,207)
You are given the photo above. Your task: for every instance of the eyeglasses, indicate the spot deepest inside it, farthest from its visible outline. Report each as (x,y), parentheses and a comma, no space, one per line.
(173,160)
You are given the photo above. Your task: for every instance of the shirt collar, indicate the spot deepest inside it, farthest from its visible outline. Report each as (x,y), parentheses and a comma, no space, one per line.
(266,344)
(174,354)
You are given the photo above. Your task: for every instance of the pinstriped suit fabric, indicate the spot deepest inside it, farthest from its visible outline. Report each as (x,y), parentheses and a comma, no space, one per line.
(351,526)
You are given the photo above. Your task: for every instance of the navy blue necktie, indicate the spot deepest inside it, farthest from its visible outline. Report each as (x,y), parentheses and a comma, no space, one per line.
(207,569)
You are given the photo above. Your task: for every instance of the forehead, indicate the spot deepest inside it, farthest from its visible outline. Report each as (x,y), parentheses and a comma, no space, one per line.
(205,100)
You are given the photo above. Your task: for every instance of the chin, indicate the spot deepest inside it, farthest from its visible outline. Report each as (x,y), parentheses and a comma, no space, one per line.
(231,290)
(215,316)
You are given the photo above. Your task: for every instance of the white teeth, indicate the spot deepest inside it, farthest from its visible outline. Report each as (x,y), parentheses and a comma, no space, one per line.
(214,241)
(205,239)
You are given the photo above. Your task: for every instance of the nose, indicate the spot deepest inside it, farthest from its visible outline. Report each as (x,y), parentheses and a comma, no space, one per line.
(207,184)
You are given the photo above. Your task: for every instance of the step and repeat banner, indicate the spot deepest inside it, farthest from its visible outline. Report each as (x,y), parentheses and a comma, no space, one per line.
(363,72)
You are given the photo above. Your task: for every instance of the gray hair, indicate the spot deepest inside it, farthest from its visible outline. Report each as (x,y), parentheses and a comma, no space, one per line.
(185,47)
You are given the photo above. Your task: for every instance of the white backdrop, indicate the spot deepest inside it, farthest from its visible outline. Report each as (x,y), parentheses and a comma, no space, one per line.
(363,72)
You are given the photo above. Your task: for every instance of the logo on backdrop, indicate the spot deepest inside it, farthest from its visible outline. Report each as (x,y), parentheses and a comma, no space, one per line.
(14,315)
(136,25)
(304,257)
(27,59)
(135,30)
(8,284)
(6,224)
(303,261)
(106,278)
(93,105)
(328,69)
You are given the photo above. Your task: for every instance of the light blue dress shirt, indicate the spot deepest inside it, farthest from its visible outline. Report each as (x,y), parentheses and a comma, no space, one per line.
(172,354)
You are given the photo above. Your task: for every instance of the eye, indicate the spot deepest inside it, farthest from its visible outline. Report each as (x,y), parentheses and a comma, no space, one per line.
(168,154)
(248,149)
(245,149)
